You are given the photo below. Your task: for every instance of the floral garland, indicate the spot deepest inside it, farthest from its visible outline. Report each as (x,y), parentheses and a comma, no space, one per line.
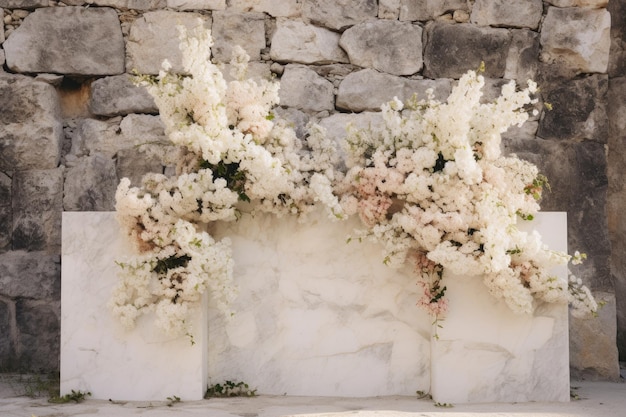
(431,186)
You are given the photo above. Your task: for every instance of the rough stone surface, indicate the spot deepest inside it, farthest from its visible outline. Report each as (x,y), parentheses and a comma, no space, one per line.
(429,9)
(23,4)
(124,4)
(336,124)
(117,95)
(90,185)
(578,186)
(196,4)
(244,29)
(578,38)
(453,49)
(133,164)
(367,90)
(283,8)
(339,14)
(39,326)
(31,132)
(385,45)
(35,275)
(67,40)
(37,207)
(617,199)
(6,218)
(617,58)
(522,62)
(154,38)
(578,110)
(6,348)
(594,357)
(296,41)
(509,13)
(579,3)
(302,88)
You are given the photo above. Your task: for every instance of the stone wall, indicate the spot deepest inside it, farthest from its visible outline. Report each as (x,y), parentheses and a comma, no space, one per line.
(72,122)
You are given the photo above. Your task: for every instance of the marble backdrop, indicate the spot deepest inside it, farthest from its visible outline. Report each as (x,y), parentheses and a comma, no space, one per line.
(97,354)
(487,353)
(315,316)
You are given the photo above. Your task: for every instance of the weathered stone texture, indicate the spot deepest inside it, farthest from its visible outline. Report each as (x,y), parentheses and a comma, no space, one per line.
(67,40)
(389,9)
(337,123)
(6,218)
(617,57)
(90,184)
(133,163)
(37,207)
(522,62)
(579,3)
(578,186)
(121,4)
(339,14)
(244,29)
(30,127)
(578,38)
(453,49)
(39,325)
(423,10)
(283,8)
(154,38)
(23,4)
(299,42)
(388,46)
(6,348)
(509,13)
(117,95)
(578,110)
(367,90)
(196,4)
(617,199)
(593,357)
(35,275)
(302,88)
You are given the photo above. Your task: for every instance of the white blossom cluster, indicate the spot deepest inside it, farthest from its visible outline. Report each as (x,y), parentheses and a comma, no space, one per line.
(433,187)
(232,157)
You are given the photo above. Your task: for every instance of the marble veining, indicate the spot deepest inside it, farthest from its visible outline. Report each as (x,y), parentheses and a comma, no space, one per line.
(315,316)
(97,354)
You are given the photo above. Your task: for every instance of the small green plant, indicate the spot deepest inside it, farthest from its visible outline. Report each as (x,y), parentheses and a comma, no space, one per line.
(444,405)
(423,394)
(76,396)
(230,389)
(172,400)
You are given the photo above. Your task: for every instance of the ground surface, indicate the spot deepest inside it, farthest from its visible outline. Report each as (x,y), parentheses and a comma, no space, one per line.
(22,397)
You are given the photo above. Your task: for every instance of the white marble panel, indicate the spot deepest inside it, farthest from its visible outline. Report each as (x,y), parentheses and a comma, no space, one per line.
(487,353)
(318,316)
(97,354)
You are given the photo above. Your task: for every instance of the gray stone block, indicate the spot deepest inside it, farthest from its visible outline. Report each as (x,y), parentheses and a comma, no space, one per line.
(39,334)
(244,29)
(90,184)
(37,207)
(67,40)
(385,45)
(339,14)
(453,49)
(31,131)
(35,275)
(117,95)
(429,9)
(508,13)
(295,41)
(578,110)
(302,88)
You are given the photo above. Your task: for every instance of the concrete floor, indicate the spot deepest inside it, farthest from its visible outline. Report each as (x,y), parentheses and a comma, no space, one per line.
(18,398)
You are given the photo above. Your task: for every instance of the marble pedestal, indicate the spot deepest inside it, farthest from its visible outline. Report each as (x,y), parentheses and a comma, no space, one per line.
(97,354)
(316,316)
(487,353)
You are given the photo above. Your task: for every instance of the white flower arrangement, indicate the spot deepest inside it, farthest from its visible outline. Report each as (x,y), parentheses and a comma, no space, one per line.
(432,187)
